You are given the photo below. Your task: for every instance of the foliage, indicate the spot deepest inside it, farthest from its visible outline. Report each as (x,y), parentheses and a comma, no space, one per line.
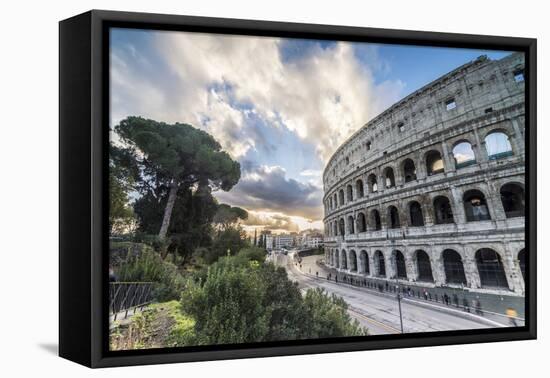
(327,316)
(148,266)
(238,299)
(174,159)
(252,254)
(122,175)
(227,216)
(159,325)
(231,240)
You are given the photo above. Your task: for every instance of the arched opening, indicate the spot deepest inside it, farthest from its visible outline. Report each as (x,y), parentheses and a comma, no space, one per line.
(351,227)
(443,210)
(497,145)
(360,189)
(352,261)
(343,259)
(423,266)
(454,269)
(393,216)
(335,200)
(409,170)
(335,228)
(380,264)
(463,154)
(349,190)
(475,206)
(389,177)
(373,185)
(490,268)
(364,260)
(415,212)
(342,230)
(361,223)
(336,259)
(400,268)
(434,163)
(513,200)
(376,222)
(521,260)
(341,195)
(330,203)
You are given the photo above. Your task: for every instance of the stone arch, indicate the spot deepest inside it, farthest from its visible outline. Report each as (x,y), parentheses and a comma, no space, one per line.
(476,207)
(399,264)
(512,196)
(351,225)
(359,188)
(454,267)
(409,170)
(434,162)
(380,264)
(349,193)
(342,228)
(463,154)
(343,259)
(393,217)
(341,197)
(352,261)
(416,216)
(364,262)
(443,210)
(491,269)
(361,222)
(336,258)
(497,144)
(375,219)
(389,177)
(423,266)
(373,183)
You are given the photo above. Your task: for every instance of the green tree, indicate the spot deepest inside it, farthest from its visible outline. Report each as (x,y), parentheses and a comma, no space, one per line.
(174,157)
(327,316)
(227,216)
(122,175)
(243,299)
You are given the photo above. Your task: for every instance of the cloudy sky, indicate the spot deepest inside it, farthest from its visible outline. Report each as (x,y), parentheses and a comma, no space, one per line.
(280,107)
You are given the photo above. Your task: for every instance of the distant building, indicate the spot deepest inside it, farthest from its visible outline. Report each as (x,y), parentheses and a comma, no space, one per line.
(282,241)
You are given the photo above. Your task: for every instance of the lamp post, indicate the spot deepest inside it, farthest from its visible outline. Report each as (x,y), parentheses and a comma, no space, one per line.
(397,286)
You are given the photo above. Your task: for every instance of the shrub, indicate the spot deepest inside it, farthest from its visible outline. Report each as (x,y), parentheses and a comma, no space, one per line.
(148,266)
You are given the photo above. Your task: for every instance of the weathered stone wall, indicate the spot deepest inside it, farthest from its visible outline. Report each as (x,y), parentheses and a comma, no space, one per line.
(488,98)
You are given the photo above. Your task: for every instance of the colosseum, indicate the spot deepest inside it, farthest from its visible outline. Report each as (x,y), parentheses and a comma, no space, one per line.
(431,192)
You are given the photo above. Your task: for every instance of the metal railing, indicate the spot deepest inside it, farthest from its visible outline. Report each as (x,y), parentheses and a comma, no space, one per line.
(126,296)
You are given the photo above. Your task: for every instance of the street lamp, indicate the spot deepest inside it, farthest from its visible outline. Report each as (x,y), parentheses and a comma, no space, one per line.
(397,286)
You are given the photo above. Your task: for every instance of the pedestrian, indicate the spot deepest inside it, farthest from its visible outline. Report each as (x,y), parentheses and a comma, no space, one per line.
(408,291)
(425,294)
(479,310)
(317,274)
(512,315)
(446,299)
(336,278)
(466,304)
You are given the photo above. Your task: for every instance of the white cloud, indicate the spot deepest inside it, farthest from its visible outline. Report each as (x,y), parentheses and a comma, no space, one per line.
(323,97)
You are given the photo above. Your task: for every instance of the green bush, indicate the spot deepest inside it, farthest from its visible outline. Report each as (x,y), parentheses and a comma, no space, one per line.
(148,266)
(239,299)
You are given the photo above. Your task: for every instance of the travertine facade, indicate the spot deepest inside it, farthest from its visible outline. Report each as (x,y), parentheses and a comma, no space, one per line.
(432,190)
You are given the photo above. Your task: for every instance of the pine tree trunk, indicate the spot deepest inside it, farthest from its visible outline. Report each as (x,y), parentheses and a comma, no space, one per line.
(168,211)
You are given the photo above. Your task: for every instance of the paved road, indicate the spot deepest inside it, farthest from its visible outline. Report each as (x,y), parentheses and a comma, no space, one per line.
(380,313)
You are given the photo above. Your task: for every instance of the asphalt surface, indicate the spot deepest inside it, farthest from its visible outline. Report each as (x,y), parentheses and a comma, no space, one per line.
(380,313)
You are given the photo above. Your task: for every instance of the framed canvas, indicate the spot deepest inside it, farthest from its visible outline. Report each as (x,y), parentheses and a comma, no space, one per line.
(235,188)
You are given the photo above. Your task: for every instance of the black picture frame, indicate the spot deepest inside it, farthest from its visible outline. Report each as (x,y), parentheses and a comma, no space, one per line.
(83,236)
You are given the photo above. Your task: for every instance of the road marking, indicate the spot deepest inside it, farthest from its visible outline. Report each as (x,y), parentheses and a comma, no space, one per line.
(376,322)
